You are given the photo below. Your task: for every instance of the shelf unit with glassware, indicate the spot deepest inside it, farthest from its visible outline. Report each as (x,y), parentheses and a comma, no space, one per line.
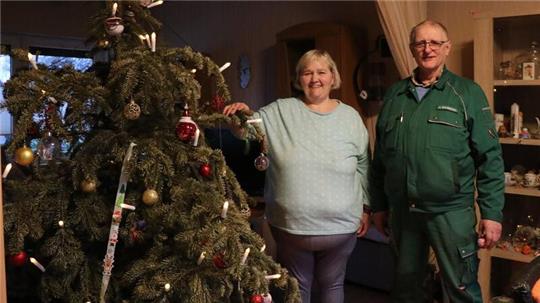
(499,40)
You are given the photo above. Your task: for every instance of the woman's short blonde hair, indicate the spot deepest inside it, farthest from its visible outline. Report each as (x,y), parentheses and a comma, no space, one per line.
(317,55)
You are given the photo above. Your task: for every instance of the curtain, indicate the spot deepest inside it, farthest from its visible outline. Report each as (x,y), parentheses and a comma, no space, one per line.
(397,18)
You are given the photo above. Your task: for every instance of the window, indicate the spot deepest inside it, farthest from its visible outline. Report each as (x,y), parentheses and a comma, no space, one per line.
(46,56)
(5,117)
(61,57)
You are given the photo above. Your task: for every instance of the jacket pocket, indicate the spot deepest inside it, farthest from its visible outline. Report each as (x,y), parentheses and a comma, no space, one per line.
(392,132)
(469,264)
(446,129)
(438,177)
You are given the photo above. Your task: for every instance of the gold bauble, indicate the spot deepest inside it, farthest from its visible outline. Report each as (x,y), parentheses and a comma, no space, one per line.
(103,43)
(150,197)
(132,110)
(24,156)
(88,186)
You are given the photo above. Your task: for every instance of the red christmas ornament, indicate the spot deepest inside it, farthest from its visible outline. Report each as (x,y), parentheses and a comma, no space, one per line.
(218,261)
(256,299)
(218,103)
(18,259)
(186,129)
(205,170)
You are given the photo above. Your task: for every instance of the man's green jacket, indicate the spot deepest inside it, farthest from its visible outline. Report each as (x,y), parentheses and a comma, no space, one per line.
(430,154)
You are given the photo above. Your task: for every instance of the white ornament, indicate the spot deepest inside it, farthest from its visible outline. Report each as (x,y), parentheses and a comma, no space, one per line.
(114,26)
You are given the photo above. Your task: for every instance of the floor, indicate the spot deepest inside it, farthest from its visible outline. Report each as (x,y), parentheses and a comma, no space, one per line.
(355,293)
(358,294)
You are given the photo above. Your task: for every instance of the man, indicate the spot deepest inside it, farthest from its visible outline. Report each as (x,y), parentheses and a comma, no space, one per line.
(436,144)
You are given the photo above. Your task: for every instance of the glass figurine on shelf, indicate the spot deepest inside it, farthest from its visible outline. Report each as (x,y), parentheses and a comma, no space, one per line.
(528,63)
(535,134)
(506,71)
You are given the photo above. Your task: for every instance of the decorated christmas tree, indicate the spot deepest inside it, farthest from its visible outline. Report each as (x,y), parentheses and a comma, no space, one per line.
(117,197)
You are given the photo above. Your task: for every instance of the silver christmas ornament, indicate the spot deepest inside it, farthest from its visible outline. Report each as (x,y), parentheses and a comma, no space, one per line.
(261,162)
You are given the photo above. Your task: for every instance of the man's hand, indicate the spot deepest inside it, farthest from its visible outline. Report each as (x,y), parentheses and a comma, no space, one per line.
(380,220)
(489,233)
(364,225)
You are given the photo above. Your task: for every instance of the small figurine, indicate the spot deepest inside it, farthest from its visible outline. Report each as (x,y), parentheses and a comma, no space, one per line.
(524,134)
(503,133)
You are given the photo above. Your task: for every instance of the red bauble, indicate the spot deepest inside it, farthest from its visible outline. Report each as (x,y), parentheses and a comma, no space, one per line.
(218,103)
(18,259)
(218,261)
(205,170)
(256,299)
(185,129)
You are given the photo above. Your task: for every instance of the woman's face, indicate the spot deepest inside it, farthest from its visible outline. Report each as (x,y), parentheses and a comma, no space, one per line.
(316,81)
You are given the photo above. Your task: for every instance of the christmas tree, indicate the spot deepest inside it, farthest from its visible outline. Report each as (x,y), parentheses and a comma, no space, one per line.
(121,199)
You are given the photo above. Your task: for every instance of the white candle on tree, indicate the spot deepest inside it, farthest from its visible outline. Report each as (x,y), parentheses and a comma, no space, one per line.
(244,257)
(224,209)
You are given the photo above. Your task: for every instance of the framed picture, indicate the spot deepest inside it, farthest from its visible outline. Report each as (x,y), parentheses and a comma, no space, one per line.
(528,71)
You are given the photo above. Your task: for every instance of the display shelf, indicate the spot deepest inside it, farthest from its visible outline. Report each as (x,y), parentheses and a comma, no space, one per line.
(520,141)
(523,191)
(511,255)
(500,39)
(516,82)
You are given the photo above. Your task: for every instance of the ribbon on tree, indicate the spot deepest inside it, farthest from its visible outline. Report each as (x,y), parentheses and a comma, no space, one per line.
(115,224)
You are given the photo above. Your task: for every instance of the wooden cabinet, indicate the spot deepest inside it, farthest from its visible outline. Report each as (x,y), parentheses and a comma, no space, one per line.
(501,39)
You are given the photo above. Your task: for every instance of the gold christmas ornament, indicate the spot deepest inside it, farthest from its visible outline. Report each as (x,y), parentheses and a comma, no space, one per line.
(132,110)
(88,186)
(246,212)
(103,43)
(150,197)
(24,156)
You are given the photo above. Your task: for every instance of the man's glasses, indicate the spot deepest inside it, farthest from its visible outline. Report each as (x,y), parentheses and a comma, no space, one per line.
(433,44)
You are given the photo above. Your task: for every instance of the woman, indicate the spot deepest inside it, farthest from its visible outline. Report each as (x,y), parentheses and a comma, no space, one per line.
(316,184)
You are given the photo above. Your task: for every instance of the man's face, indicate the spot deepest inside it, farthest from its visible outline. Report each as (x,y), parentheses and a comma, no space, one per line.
(430,48)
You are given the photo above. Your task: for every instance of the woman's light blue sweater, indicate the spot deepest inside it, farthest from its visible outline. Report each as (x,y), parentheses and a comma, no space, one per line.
(317,179)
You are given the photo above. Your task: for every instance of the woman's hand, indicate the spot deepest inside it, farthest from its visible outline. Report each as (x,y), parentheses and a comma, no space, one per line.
(364,225)
(231,109)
